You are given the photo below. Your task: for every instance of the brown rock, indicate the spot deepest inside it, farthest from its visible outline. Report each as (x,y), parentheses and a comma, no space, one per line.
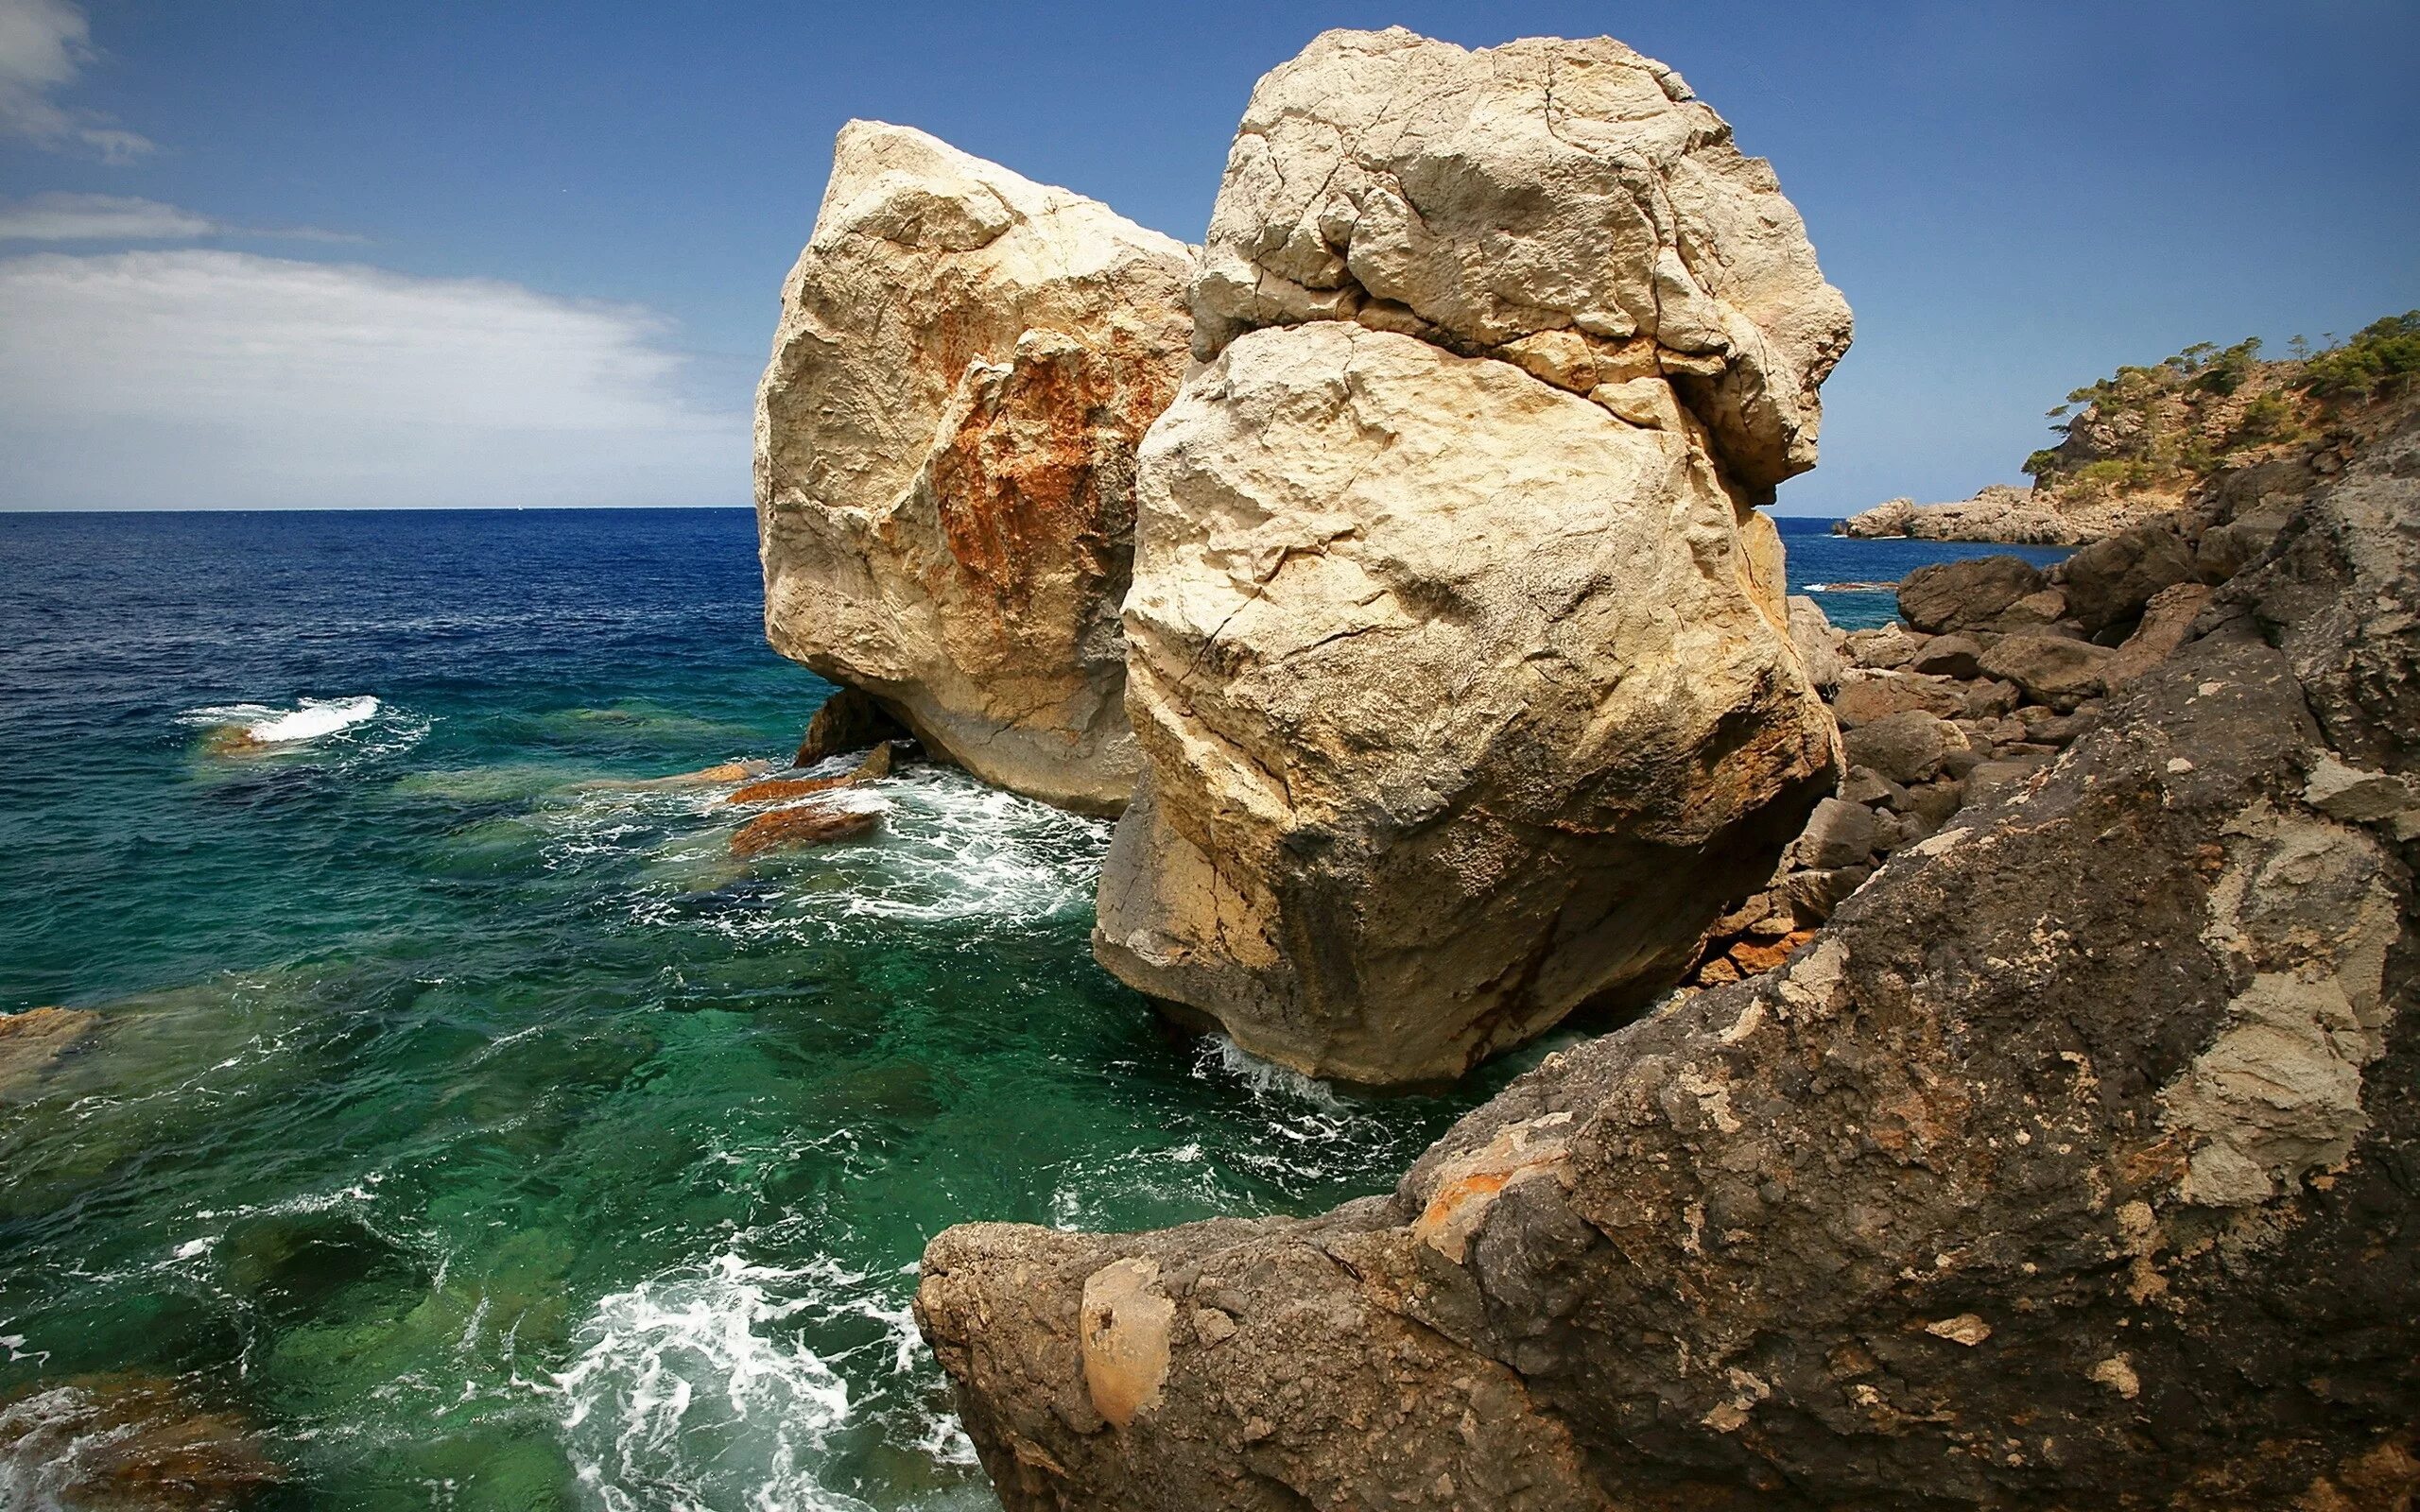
(1965,596)
(2166,620)
(1948,656)
(1870,698)
(127,1443)
(2111,580)
(1754,956)
(2034,611)
(808,824)
(2052,668)
(781,789)
(945,442)
(32,1040)
(1906,748)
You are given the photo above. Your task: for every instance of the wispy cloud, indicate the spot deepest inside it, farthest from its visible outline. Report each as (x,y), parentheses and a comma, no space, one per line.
(72,217)
(43,45)
(214,378)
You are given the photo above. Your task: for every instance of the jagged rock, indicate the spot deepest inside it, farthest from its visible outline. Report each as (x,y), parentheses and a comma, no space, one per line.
(1430,764)
(1952,596)
(1837,834)
(2053,669)
(1818,645)
(1987,782)
(1569,205)
(782,789)
(1906,747)
(1814,895)
(1883,648)
(2069,1165)
(1871,699)
(1865,785)
(806,824)
(849,720)
(1999,513)
(2111,580)
(1949,656)
(2165,621)
(945,455)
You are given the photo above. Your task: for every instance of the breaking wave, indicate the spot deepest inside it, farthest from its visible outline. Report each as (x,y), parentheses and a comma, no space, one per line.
(311,719)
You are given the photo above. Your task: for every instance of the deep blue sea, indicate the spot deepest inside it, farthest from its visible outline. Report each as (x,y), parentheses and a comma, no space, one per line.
(459,1115)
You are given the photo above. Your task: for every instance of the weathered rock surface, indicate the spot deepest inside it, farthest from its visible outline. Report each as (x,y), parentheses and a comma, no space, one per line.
(1459,658)
(2008,515)
(813,822)
(1966,595)
(1464,701)
(2070,1164)
(1568,205)
(945,455)
(2111,580)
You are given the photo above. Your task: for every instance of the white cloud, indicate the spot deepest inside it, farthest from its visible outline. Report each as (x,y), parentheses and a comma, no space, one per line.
(43,45)
(220,379)
(64,217)
(70,218)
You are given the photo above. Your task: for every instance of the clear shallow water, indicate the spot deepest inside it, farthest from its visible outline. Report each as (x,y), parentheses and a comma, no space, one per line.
(460,1113)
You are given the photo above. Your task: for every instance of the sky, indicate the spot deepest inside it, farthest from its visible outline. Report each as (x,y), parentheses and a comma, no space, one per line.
(286,254)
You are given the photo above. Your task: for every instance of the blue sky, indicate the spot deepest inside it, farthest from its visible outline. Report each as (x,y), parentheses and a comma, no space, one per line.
(530,254)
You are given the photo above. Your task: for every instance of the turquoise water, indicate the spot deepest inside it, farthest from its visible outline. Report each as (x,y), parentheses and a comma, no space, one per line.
(458,1113)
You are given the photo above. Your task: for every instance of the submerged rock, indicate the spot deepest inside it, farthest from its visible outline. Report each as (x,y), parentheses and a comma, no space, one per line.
(2068,1165)
(1458,653)
(1430,765)
(779,789)
(128,1443)
(945,455)
(32,1042)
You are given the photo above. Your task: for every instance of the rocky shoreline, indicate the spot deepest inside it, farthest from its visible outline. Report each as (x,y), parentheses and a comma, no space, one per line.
(2014,1108)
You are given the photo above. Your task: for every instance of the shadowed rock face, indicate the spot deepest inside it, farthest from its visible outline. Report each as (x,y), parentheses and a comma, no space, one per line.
(2072,1164)
(945,455)
(1567,205)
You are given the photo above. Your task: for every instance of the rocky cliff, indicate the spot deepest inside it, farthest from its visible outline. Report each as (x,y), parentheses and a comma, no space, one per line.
(1457,654)
(2147,443)
(945,445)
(2069,1164)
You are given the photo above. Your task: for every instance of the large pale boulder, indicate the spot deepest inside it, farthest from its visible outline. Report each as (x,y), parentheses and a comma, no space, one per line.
(1464,703)
(944,454)
(1567,204)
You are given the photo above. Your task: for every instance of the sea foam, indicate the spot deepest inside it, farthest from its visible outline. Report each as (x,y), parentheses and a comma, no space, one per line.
(311,719)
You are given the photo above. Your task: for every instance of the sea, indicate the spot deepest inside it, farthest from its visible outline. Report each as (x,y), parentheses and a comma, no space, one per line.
(461,1121)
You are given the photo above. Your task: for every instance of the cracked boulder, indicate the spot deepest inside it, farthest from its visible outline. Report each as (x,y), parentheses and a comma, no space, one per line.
(1464,703)
(1567,205)
(945,445)
(2070,1164)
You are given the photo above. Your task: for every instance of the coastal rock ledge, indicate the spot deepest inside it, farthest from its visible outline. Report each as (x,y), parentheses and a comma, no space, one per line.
(1458,649)
(945,455)
(2072,1164)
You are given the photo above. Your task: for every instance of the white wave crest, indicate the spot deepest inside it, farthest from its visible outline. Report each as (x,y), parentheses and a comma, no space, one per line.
(310,719)
(683,1396)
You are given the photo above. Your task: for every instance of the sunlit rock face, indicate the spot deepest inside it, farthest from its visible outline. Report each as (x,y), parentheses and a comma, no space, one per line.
(1567,205)
(945,447)
(1458,655)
